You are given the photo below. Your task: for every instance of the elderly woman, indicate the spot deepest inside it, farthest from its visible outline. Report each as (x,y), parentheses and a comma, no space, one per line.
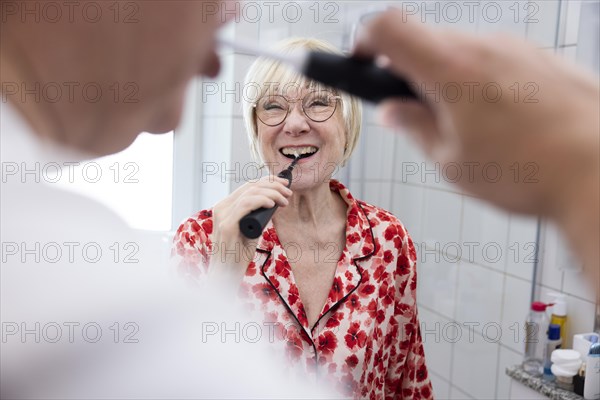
(335,274)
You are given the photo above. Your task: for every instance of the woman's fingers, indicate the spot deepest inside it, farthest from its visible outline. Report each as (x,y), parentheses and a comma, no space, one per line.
(260,197)
(253,202)
(266,192)
(273,182)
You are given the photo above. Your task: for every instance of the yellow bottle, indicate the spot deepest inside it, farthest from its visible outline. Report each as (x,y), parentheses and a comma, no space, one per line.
(559,316)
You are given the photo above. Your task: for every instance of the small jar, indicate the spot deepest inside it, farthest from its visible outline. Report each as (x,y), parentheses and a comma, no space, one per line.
(565,382)
(565,365)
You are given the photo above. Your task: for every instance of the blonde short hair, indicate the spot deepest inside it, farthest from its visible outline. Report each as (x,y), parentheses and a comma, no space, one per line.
(264,73)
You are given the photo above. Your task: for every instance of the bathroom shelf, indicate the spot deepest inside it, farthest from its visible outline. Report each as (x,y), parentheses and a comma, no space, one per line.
(548,389)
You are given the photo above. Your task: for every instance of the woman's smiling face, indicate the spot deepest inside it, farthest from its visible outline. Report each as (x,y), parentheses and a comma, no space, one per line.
(320,144)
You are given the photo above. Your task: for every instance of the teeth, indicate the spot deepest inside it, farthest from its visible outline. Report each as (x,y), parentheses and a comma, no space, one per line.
(295,151)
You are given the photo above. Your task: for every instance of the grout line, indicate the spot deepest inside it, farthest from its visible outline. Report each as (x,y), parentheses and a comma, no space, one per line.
(461,260)
(463,391)
(502,308)
(391,197)
(431,310)
(567,293)
(497,371)
(505,347)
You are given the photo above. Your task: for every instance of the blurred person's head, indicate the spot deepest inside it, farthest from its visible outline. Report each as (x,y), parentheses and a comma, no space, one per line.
(91,75)
(288,112)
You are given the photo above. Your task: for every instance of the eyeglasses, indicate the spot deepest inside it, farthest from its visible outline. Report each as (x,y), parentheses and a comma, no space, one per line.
(317,105)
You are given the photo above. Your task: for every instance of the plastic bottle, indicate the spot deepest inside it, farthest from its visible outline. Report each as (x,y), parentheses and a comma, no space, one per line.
(591,389)
(559,314)
(536,327)
(553,342)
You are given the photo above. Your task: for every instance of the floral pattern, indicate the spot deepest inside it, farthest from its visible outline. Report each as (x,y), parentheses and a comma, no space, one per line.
(366,342)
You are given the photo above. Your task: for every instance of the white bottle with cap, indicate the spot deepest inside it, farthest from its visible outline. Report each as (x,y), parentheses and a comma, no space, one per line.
(591,388)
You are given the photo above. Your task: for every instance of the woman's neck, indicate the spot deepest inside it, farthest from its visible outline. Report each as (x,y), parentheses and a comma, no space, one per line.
(313,208)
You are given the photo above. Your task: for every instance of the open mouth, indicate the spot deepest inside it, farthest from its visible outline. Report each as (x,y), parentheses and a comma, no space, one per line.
(302,152)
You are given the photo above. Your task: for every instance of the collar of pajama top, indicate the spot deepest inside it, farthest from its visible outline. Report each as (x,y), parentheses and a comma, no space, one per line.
(276,269)
(366,340)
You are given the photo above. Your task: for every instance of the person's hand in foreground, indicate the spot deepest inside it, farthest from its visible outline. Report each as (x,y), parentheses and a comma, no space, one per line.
(542,132)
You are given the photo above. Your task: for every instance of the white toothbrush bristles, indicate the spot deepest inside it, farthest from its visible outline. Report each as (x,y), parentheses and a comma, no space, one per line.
(296,59)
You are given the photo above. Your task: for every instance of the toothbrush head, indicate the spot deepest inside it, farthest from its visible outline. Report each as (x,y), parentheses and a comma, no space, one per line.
(296,158)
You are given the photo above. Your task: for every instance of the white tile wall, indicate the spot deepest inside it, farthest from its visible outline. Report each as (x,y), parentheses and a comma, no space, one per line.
(507,358)
(475,365)
(216,135)
(521,247)
(243,92)
(552,252)
(580,318)
(369,114)
(479,296)
(442,219)
(576,284)
(246,28)
(521,392)
(437,282)
(408,207)
(356,188)
(408,161)
(378,153)
(433,176)
(503,16)
(569,53)
(322,20)
(441,387)
(455,15)
(570,29)
(488,291)
(588,55)
(342,173)
(355,164)
(378,193)
(438,351)
(515,307)
(487,229)
(388,170)
(214,98)
(541,17)
(457,394)
(245,167)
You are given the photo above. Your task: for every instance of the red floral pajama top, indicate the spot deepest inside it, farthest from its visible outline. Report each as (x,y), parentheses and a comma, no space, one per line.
(366,342)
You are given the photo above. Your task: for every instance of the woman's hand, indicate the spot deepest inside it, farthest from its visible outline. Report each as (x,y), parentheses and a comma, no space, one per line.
(232,251)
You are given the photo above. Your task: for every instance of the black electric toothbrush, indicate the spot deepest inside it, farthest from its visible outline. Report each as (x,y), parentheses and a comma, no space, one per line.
(359,77)
(253,223)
